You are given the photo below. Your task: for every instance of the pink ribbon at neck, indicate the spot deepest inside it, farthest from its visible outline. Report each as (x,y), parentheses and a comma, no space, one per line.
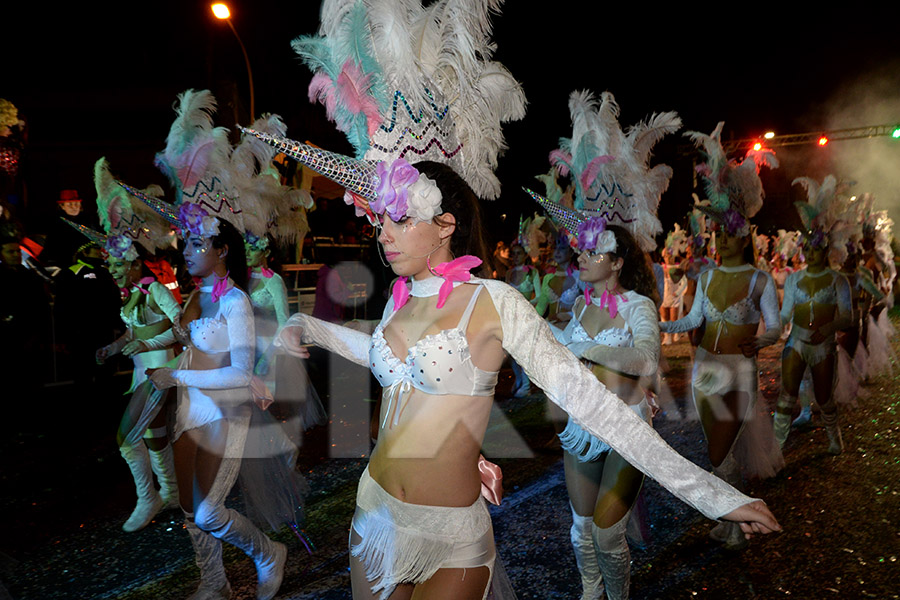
(144,281)
(264,271)
(400,292)
(491,480)
(452,271)
(220,287)
(608,300)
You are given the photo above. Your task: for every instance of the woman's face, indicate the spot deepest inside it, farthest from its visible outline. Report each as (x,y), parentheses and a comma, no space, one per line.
(518,255)
(11,254)
(124,272)
(730,245)
(255,257)
(562,254)
(815,256)
(595,268)
(408,243)
(200,257)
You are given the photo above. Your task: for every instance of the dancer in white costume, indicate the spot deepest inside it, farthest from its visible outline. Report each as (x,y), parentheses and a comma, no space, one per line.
(220,418)
(614,327)
(420,529)
(818,304)
(731,300)
(133,233)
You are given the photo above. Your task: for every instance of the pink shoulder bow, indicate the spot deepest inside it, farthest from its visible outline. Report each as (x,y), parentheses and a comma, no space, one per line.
(454,270)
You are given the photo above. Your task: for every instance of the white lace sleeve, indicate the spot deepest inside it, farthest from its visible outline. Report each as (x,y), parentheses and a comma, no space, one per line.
(238,315)
(166,302)
(694,319)
(641,359)
(768,306)
(280,299)
(574,388)
(844,317)
(343,341)
(787,304)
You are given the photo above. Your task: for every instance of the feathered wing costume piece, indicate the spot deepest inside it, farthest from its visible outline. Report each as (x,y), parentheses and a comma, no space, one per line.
(827,216)
(405,81)
(197,161)
(677,241)
(609,168)
(734,189)
(126,221)
(697,223)
(785,243)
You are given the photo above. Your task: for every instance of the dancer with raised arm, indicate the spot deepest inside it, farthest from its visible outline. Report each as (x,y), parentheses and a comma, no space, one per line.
(420,528)
(731,300)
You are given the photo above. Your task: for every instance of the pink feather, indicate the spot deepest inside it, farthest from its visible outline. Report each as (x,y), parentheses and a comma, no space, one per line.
(321,89)
(192,165)
(354,88)
(590,171)
(561,160)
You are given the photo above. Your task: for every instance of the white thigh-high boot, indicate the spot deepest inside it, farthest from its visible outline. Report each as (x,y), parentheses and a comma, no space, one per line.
(231,526)
(614,558)
(833,430)
(163,465)
(727,532)
(149,502)
(782,423)
(586,557)
(208,554)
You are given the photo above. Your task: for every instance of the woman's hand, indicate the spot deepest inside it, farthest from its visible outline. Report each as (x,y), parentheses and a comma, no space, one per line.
(292,340)
(101,355)
(748,346)
(134,347)
(161,378)
(754,517)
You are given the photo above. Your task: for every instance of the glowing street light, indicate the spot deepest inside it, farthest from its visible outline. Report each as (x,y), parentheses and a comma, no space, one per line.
(769,135)
(823,141)
(221,12)
(757,146)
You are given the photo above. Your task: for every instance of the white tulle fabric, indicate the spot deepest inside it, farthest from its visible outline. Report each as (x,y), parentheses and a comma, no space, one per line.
(530,342)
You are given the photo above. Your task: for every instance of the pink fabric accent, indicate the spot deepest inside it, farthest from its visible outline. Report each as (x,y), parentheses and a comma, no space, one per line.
(491,480)
(219,288)
(400,293)
(262,395)
(588,291)
(608,300)
(454,270)
(145,281)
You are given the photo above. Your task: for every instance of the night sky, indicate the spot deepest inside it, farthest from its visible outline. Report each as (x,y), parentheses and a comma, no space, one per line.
(92,83)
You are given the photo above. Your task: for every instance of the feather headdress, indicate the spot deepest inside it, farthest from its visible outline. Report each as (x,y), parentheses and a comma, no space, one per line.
(786,244)
(609,168)
(677,241)
(827,215)
(125,220)
(407,82)
(734,189)
(697,223)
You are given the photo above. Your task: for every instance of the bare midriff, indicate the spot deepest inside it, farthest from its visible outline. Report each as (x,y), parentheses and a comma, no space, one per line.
(430,455)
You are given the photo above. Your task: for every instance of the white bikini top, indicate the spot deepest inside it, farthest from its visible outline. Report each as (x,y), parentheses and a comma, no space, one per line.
(614,336)
(438,364)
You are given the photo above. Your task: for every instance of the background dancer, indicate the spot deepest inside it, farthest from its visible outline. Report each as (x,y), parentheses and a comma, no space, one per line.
(133,233)
(817,303)
(614,325)
(732,299)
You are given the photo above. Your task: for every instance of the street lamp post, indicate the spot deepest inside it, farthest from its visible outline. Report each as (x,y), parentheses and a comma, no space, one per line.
(222,13)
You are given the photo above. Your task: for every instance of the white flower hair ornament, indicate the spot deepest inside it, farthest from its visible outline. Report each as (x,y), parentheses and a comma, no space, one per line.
(594,237)
(403,192)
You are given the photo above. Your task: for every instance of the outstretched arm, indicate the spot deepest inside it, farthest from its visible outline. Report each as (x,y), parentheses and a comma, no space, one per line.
(569,384)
